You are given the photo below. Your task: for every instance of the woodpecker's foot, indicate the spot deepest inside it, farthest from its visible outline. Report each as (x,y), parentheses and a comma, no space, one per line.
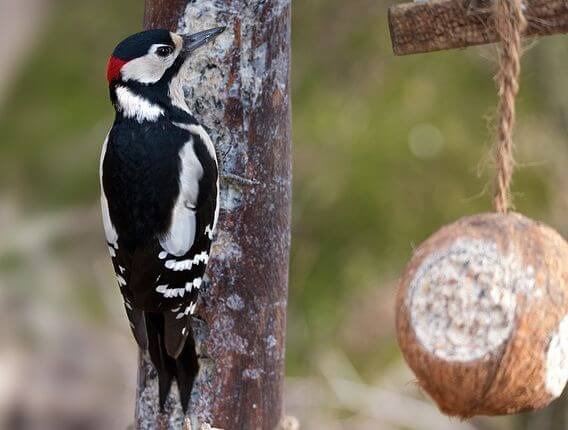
(231,177)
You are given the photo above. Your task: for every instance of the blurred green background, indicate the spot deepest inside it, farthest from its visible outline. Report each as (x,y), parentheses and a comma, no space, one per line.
(386,150)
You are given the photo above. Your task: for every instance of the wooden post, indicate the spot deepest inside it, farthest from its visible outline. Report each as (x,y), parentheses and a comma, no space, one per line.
(238,88)
(436,25)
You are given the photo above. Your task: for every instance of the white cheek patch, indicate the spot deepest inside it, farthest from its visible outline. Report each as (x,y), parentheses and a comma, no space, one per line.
(146,70)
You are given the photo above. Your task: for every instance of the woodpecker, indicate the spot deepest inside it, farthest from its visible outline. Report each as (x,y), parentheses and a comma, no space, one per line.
(159,198)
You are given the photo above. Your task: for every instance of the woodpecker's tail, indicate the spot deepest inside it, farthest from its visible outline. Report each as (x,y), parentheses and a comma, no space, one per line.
(183,368)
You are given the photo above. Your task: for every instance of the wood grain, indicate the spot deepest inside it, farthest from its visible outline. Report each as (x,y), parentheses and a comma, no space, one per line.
(163,14)
(447,24)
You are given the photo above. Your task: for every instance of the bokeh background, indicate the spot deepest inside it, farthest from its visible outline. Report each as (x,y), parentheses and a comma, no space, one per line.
(386,150)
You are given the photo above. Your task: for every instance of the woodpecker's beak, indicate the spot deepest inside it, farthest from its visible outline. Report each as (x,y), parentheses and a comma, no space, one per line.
(193,41)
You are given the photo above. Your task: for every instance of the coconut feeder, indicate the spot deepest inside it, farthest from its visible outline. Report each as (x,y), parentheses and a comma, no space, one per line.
(482,306)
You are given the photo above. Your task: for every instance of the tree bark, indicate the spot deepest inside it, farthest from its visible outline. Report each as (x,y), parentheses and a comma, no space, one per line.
(238,88)
(163,13)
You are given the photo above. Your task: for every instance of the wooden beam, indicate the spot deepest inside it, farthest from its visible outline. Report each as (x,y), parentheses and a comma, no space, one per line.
(446,24)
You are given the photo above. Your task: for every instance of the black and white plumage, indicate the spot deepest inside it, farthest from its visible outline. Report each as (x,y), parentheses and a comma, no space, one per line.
(160,186)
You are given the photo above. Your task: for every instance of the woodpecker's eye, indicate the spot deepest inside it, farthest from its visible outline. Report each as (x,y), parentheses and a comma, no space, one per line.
(164,51)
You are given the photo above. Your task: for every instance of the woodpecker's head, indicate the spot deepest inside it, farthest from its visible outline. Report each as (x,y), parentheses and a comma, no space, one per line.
(147,57)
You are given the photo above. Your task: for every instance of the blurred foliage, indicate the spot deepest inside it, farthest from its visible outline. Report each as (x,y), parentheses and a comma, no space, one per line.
(386,150)
(58,112)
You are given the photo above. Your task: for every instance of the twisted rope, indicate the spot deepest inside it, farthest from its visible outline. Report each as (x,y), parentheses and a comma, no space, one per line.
(510,23)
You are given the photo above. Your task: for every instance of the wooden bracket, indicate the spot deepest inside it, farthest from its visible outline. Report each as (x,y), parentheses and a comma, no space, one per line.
(446,24)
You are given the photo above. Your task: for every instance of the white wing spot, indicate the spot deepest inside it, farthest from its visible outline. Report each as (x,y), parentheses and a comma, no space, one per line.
(177,266)
(121,280)
(161,288)
(162,255)
(196,283)
(189,310)
(174,292)
(209,232)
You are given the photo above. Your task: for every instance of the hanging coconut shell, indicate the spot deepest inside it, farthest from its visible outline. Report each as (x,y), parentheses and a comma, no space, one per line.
(482,315)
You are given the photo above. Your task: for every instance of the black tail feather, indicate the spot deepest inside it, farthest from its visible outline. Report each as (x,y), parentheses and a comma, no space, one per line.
(183,369)
(187,367)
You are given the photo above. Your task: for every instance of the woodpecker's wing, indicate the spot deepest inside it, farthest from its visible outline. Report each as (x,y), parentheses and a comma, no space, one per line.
(166,274)
(121,262)
(161,274)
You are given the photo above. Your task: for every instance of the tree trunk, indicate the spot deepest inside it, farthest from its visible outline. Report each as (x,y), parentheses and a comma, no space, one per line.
(238,88)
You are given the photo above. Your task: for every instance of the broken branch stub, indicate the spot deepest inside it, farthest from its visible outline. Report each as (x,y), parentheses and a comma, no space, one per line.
(482,315)
(448,24)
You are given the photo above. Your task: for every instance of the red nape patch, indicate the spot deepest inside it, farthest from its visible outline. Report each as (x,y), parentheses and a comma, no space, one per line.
(113,68)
